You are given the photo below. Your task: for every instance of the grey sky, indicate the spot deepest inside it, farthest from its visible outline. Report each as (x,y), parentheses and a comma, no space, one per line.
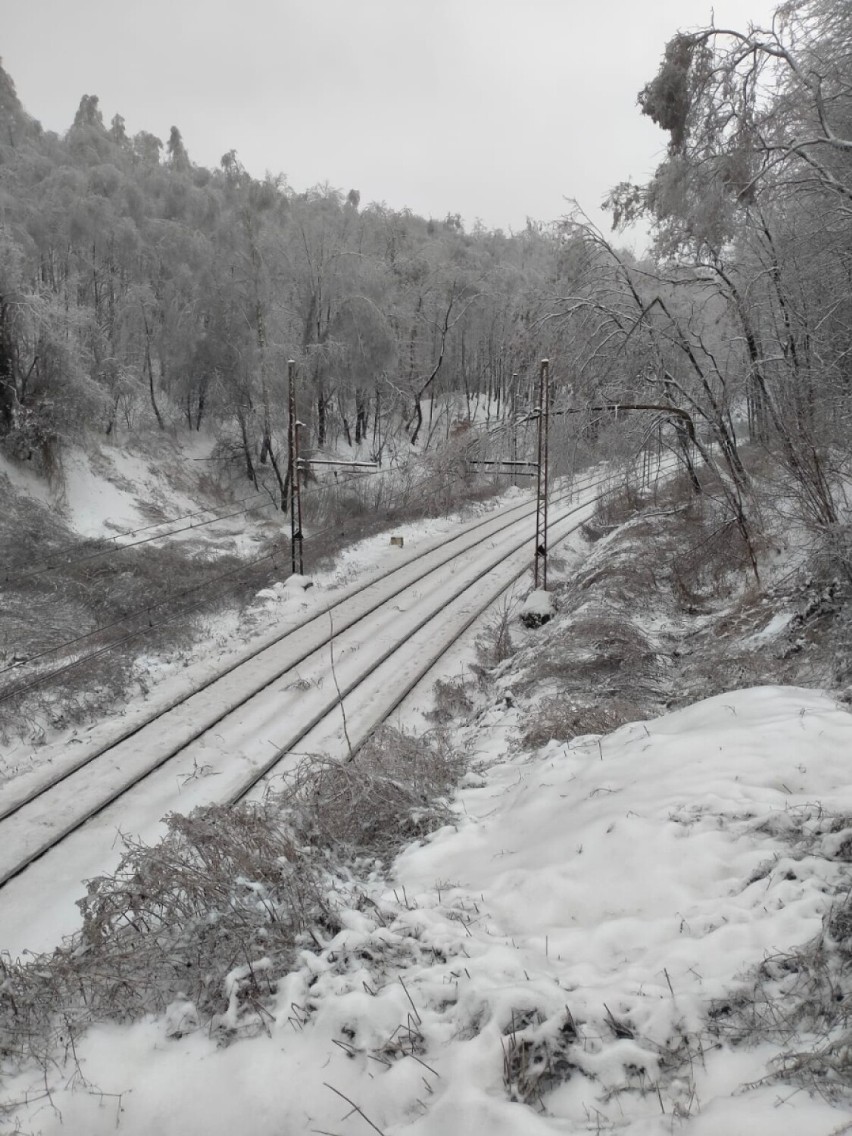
(497,109)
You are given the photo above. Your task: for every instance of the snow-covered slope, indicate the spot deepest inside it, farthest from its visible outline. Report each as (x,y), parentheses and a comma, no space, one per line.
(570,956)
(107,490)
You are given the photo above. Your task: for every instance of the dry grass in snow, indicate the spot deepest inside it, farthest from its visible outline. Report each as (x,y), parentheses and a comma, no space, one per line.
(213,915)
(576,952)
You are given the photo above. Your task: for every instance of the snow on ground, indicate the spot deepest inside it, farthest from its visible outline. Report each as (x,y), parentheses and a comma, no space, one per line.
(94,505)
(228,638)
(25,481)
(39,907)
(779,622)
(106,491)
(537,608)
(546,964)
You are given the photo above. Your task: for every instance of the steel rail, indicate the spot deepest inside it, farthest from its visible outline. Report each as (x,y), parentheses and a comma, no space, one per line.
(9,809)
(482,606)
(79,820)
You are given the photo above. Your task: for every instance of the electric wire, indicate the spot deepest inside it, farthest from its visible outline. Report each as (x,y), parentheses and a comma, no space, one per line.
(324,487)
(49,566)
(47,676)
(503,523)
(13,575)
(268,767)
(147,608)
(106,552)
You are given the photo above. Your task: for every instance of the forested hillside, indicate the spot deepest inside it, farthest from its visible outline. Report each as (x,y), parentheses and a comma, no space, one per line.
(141,290)
(742,317)
(140,293)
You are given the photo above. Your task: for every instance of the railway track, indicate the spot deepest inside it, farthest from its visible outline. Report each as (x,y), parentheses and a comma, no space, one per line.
(215,744)
(467,603)
(404,575)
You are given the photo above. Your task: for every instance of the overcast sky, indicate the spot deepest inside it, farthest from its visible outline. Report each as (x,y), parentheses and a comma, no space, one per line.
(495,109)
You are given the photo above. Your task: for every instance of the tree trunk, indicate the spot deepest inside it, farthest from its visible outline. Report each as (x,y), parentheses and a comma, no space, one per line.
(150,367)
(8,389)
(361,416)
(282,484)
(341,406)
(322,411)
(377,427)
(202,402)
(110,426)
(250,471)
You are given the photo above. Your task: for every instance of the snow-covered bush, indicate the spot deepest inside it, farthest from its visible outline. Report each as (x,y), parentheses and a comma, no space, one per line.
(201,926)
(801,999)
(225,888)
(562,718)
(451,700)
(393,791)
(494,642)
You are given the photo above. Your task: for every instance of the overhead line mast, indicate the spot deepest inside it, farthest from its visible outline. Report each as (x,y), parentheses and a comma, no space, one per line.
(295,486)
(540,556)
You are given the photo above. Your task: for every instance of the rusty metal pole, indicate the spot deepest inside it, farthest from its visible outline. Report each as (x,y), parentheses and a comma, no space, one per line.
(295,488)
(540,557)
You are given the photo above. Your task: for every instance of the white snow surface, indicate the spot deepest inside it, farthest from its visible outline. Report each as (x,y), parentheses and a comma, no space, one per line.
(631,878)
(540,604)
(779,622)
(286,601)
(104,491)
(39,907)
(96,505)
(24,481)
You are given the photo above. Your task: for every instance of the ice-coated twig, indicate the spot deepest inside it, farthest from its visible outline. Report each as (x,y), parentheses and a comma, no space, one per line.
(360,1111)
(411,1000)
(337,686)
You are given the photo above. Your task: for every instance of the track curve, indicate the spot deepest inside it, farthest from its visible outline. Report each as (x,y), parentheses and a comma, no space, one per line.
(42,818)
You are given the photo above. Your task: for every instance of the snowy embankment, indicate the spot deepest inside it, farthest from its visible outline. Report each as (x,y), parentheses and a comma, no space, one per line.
(575,954)
(111,495)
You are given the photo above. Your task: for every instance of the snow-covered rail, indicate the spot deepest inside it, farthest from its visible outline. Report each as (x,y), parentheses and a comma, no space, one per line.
(340,611)
(372,694)
(382,637)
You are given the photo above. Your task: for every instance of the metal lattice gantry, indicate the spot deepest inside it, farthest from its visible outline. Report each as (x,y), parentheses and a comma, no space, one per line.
(295,487)
(297,465)
(540,554)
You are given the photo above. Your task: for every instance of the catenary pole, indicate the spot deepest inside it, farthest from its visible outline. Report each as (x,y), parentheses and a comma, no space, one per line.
(295,487)
(540,556)
(513,416)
